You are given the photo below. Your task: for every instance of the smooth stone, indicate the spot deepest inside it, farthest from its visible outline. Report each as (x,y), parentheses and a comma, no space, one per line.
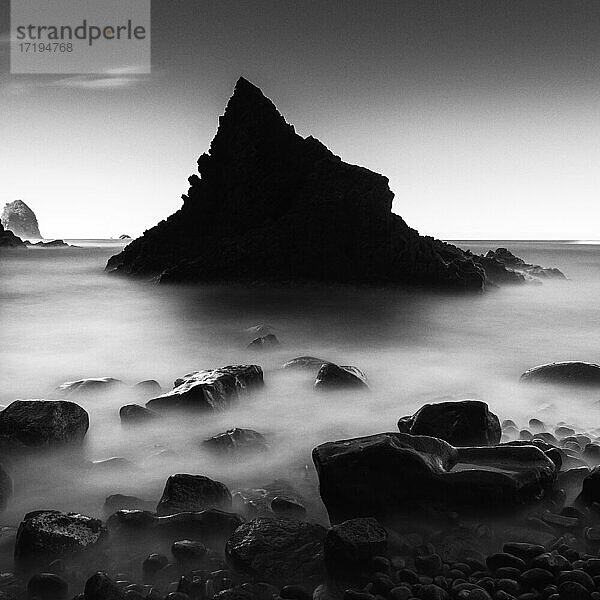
(192,493)
(576,373)
(335,377)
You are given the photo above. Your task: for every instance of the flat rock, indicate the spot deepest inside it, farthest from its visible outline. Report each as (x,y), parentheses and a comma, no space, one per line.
(89,386)
(462,423)
(334,377)
(213,390)
(38,423)
(192,493)
(236,440)
(277,551)
(387,474)
(575,373)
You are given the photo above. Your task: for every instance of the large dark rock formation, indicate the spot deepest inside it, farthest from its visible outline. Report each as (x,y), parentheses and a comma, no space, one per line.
(271,205)
(9,240)
(20,219)
(393,474)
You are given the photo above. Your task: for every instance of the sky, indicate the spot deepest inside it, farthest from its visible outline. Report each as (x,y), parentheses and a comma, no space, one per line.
(484,115)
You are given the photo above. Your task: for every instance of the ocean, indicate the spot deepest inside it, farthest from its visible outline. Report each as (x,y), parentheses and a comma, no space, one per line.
(63,318)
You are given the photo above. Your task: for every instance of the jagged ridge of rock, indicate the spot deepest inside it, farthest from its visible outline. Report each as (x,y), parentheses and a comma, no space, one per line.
(9,240)
(20,219)
(270,205)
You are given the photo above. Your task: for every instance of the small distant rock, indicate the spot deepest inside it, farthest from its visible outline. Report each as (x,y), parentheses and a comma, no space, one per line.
(92,385)
(305,363)
(259,330)
(236,440)
(332,376)
(9,240)
(124,236)
(148,388)
(575,373)
(50,244)
(185,492)
(20,219)
(266,342)
(134,413)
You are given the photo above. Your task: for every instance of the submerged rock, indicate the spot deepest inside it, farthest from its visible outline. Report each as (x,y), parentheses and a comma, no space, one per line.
(258,501)
(277,551)
(518,265)
(9,240)
(270,205)
(212,389)
(46,535)
(576,373)
(462,423)
(392,474)
(147,388)
(264,342)
(116,502)
(211,526)
(334,377)
(237,440)
(133,413)
(192,493)
(37,423)
(20,219)
(92,385)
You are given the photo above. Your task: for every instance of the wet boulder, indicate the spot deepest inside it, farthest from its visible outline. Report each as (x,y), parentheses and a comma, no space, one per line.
(388,474)
(191,493)
(277,551)
(38,423)
(350,545)
(46,535)
(131,414)
(101,587)
(90,386)
(462,423)
(334,377)
(236,440)
(574,373)
(212,390)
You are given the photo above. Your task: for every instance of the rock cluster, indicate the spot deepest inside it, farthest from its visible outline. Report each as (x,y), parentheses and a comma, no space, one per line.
(20,219)
(9,240)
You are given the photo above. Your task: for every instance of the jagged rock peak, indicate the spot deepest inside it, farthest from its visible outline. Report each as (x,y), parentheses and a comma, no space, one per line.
(20,219)
(270,205)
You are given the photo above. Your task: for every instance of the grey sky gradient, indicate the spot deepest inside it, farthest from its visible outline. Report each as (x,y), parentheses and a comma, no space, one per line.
(484,115)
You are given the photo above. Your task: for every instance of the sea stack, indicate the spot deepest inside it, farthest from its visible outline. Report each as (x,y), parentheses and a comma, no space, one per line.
(21,220)
(270,205)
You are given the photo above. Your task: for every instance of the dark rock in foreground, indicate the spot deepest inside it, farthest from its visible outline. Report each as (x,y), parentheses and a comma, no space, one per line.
(20,219)
(46,535)
(350,545)
(277,551)
(391,474)
(37,423)
(575,373)
(9,240)
(334,377)
(236,440)
(270,205)
(213,389)
(192,493)
(462,423)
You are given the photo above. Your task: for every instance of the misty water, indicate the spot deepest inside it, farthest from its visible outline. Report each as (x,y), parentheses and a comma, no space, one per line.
(63,318)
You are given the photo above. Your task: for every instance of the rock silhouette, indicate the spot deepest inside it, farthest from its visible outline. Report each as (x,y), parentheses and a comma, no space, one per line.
(20,219)
(9,240)
(270,205)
